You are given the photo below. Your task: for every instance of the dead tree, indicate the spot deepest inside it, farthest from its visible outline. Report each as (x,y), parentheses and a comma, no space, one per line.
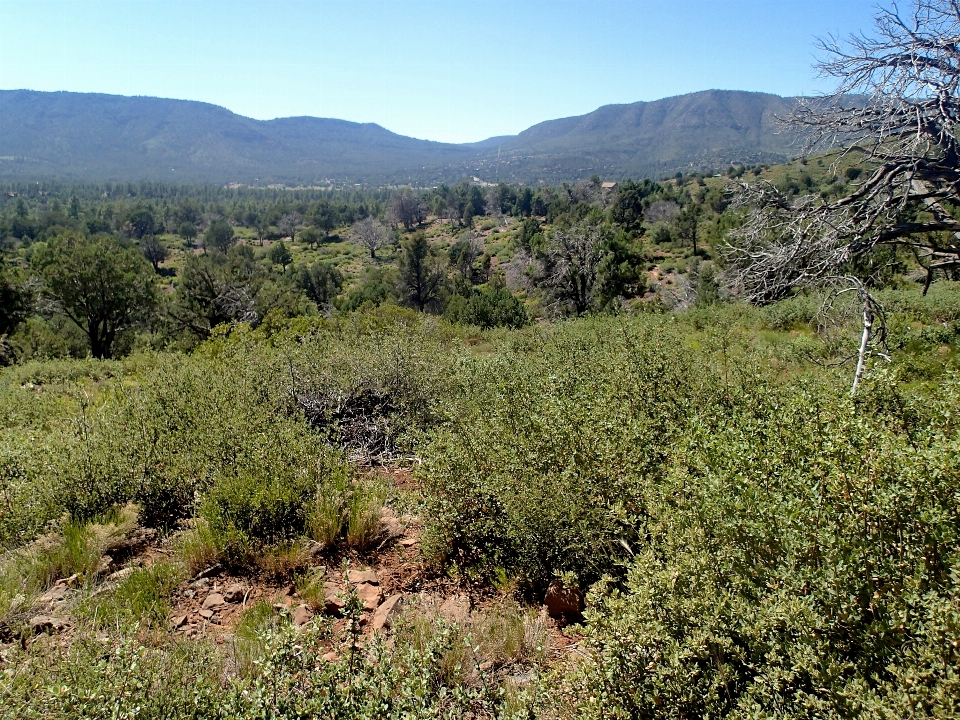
(571,264)
(894,110)
(371,234)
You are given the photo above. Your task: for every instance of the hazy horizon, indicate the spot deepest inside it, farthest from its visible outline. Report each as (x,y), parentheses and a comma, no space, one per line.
(448,72)
(374,122)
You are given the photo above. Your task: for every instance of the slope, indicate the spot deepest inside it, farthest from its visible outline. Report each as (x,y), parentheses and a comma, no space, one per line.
(95,137)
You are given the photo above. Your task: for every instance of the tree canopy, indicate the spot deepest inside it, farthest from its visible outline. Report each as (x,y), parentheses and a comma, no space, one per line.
(101,285)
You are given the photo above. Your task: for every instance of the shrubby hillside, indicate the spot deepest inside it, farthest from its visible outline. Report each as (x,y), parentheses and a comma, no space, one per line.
(750,539)
(176,261)
(648,449)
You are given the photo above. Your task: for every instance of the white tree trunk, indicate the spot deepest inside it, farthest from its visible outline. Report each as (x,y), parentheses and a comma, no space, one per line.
(864,345)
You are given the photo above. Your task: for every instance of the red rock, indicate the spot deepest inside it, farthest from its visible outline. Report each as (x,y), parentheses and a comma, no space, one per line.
(387,612)
(369,594)
(234,593)
(178,621)
(332,602)
(206,613)
(390,524)
(214,600)
(301,615)
(357,577)
(54,595)
(48,623)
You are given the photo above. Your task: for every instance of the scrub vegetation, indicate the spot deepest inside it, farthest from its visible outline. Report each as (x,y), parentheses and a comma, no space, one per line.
(489,451)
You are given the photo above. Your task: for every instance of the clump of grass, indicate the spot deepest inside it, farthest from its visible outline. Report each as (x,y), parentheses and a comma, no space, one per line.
(363,522)
(197,547)
(509,634)
(142,598)
(76,552)
(425,632)
(506,635)
(249,643)
(311,589)
(348,509)
(283,560)
(329,510)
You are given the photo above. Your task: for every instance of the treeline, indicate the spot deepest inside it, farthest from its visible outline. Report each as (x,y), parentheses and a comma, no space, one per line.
(104,269)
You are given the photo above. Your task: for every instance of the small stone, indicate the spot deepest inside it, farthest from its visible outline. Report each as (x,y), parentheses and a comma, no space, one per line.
(200,584)
(214,600)
(369,594)
(71,581)
(178,621)
(103,567)
(301,615)
(234,593)
(358,577)
(408,541)
(121,574)
(56,594)
(387,611)
(48,623)
(562,600)
(487,665)
(332,602)
(206,613)
(456,608)
(392,527)
(331,656)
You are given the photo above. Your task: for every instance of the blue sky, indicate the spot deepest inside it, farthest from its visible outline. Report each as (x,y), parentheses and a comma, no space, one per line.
(454,71)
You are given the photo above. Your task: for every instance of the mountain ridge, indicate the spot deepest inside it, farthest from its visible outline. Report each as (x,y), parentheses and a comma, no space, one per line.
(100,137)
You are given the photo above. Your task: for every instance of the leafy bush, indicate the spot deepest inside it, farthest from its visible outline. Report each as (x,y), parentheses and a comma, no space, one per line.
(489,308)
(543,464)
(248,510)
(800,560)
(289,678)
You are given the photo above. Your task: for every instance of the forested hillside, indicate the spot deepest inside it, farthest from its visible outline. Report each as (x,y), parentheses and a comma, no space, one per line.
(483,255)
(89,137)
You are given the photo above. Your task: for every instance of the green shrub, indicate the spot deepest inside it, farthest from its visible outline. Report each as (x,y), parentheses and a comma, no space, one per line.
(124,681)
(286,677)
(488,308)
(544,462)
(799,562)
(247,511)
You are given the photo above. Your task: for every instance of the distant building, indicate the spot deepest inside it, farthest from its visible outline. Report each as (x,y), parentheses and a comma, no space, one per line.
(608,186)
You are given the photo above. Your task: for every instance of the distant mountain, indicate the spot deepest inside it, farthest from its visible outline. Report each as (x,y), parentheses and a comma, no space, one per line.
(703,130)
(79,136)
